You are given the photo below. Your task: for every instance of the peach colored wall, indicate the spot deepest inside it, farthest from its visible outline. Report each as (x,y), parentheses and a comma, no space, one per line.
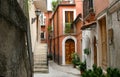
(79,6)
(100,5)
(59,19)
(79,37)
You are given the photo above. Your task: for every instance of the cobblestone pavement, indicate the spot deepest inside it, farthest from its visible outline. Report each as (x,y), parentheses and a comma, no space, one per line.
(59,71)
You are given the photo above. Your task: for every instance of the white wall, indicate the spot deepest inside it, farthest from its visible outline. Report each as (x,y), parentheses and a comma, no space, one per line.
(87,42)
(32,25)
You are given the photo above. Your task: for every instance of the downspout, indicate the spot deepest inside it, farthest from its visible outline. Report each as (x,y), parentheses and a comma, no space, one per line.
(58,34)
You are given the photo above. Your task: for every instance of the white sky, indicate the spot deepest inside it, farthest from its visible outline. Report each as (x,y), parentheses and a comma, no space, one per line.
(49,4)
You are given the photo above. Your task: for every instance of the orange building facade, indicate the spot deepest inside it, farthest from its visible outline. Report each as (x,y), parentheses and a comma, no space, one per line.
(65,34)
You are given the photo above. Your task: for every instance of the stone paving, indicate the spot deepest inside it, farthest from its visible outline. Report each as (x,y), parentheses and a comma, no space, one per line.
(56,70)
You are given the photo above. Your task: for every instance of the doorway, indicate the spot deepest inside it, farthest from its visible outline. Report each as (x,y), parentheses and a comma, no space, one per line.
(103,37)
(69,49)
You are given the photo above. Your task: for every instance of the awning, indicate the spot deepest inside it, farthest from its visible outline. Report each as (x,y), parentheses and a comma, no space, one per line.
(41,5)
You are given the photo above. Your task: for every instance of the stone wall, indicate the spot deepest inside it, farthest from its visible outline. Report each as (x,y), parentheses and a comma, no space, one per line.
(114,35)
(14,56)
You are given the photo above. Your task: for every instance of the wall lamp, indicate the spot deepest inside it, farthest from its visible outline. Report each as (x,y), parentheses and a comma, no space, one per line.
(37,12)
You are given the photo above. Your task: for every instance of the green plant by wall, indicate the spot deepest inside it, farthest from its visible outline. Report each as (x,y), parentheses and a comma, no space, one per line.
(75,59)
(49,29)
(98,72)
(87,51)
(82,66)
(67,27)
(54,5)
(113,72)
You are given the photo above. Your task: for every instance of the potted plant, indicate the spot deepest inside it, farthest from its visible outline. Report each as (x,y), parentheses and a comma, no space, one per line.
(75,60)
(96,72)
(82,67)
(87,51)
(49,56)
(113,72)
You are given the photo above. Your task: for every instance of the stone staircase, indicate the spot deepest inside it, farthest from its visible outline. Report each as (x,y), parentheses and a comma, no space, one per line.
(40,59)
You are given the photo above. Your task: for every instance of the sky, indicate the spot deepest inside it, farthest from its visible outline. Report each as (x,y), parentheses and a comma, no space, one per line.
(49,4)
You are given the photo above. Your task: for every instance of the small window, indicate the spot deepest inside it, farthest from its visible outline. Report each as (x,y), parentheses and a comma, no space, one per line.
(69,15)
(42,35)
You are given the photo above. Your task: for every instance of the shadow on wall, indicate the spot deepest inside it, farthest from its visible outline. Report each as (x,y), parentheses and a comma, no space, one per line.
(2,65)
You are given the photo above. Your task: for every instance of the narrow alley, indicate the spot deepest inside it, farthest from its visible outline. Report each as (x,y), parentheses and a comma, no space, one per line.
(56,70)
(59,38)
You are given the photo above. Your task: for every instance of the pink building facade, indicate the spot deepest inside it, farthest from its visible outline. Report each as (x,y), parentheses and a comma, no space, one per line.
(65,40)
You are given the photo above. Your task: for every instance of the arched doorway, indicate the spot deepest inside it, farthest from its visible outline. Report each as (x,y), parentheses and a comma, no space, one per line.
(95,51)
(69,49)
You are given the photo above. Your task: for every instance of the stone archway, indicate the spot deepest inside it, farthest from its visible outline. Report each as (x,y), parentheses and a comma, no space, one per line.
(63,47)
(69,49)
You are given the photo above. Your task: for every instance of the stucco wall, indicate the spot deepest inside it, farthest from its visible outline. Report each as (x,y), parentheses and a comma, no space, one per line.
(114,46)
(12,46)
(14,58)
(100,5)
(33,26)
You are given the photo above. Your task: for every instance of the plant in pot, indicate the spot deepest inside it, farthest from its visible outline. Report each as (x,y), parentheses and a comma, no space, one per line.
(82,67)
(75,60)
(95,72)
(49,56)
(87,51)
(113,72)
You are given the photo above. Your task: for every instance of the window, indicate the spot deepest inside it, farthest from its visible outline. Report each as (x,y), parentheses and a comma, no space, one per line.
(68,16)
(68,20)
(42,35)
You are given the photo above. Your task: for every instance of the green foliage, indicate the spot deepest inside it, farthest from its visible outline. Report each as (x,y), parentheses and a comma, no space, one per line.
(49,29)
(86,51)
(49,56)
(82,66)
(75,59)
(113,72)
(54,5)
(96,72)
(67,27)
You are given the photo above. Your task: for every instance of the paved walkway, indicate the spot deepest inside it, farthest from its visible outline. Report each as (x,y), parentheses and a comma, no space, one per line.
(59,71)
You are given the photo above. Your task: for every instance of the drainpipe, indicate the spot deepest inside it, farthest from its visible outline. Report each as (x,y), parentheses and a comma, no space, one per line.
(58,34)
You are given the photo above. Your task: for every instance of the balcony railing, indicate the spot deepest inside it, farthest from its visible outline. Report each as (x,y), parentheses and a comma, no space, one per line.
(69,28)
(87,7)
(66,2)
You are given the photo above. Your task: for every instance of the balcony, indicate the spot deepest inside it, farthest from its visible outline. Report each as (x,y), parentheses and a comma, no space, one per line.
(69,28)
(66,2)
(88,8)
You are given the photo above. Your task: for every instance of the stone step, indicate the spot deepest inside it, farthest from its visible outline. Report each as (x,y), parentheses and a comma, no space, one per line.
(38,63)
(39,70)
(40,58)
(41,66)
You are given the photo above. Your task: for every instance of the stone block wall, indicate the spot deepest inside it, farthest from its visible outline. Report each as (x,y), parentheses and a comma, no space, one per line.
(14,56)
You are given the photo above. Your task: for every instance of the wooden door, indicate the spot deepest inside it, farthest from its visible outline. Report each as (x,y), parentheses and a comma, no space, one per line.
(69,49)
(102,23)
(95,52)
